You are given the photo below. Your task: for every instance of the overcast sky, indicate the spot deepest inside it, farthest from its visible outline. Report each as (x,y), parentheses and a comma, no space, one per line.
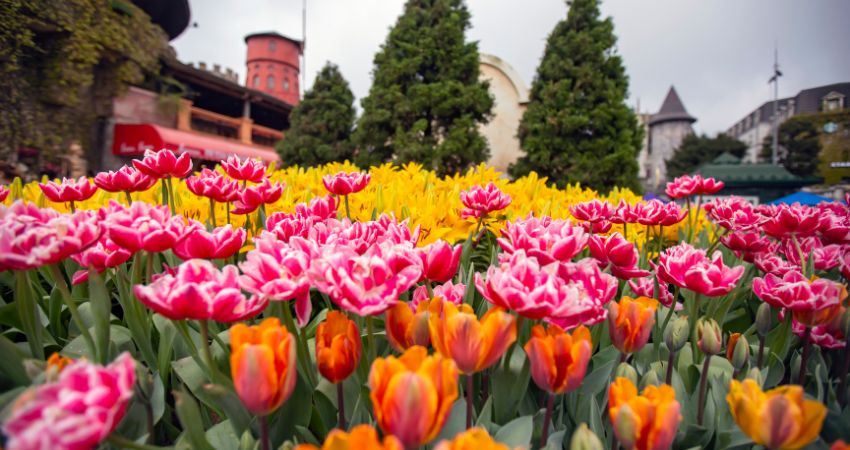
(718,53)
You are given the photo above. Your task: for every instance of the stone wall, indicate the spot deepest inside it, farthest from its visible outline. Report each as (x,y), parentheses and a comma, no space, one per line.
(510,98)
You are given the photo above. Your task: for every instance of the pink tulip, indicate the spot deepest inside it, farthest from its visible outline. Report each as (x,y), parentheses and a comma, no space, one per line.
(618,253)
(4,192)
(319,208)
(824,257)
(142,226)
(786,221)
(592,211)
(745,244)
(69,190)
(673,214)
(650,213)
(345,183)
(844,261)
(77,411)
(285,226)
(200,291)
(253,196)
(828,335)
(481,201)
(31,237)
(709,186)
(834,227)
(645,287)
(596,227)
(769,262)
(690,268)
(440,261)
(278,271)
(163,164)
(125,179)
(244,170)
(366,284)
(452,293)
(361,236)
(624,213)
(806,298)
(544,238)
(734,213)
(213,185)
(100,257)
(222,242)
(684,186)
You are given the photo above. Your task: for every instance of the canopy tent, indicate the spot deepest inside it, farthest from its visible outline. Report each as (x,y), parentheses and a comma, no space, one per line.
(803,198)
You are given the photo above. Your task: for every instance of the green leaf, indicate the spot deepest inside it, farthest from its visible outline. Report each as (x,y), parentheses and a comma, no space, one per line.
(516,433)
(456,423)
(509,386)
(29,311)
(222,437)
(226,400)
(101,307)
(603,365)
(190,418)
(13,363)
(295,411)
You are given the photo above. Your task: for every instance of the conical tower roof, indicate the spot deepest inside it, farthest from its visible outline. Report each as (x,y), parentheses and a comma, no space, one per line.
(671,110)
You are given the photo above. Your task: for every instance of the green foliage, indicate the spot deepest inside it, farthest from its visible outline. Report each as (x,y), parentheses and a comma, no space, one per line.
(799,146)
(321,124)
(63,61)
(577,127)
(426,102)
(698,150)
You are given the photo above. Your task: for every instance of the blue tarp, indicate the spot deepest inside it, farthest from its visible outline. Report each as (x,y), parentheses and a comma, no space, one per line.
(803,198)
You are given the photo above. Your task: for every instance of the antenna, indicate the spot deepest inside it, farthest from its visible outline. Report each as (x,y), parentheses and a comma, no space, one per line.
(775,80)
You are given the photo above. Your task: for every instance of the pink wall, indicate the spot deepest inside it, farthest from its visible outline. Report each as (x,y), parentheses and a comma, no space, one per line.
(273,65)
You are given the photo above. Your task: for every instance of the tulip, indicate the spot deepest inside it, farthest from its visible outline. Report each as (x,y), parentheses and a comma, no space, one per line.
(683,186)
(618,253)
(646,421)
(835,227)
(768,262)
(672,214)
(450,292)
(823,257)
(214,186)
(709,186)
(650,213)
(474,345)
(440,261)
(601,227)
(645,287)
(625,213)
(103,255)
(745,244)
(163,164)
(126,179)
(412,395)
(472,439)
(790,220)
(338,347)
(481,201)
(278,271)
(69,190)
(222,242)
(361,437)
(689,268)
(345,183)
(406,326)
(77,411)
(142,226)
(558,359)
(56,363)
(584,439)
(737,352)
(840,445)
(630,321)
(252,197)
(778,419)
(4,193)
(200,291)
(244,170)
(828,335)
(262,364)
(624,370)
(546,239)
(592,211)
(675,337)
(319,208)
(734,213)
(709,340)
(813,302)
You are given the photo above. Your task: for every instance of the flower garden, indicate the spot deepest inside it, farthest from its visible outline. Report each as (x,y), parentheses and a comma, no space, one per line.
(246,307)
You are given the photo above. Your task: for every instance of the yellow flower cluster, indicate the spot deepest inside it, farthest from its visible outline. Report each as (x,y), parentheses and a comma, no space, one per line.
(409,192)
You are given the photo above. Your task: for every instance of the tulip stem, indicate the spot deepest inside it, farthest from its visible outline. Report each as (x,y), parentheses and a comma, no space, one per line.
(340,404)
(660,239)
(264,433)
(212,213)
(59,279)
(690,219)
(804,358)
(670,358)
(205,337)
(550,404)
(347,208)
(703,387)
(73,207)
(469,386)
(760,358)
(692,321)
(370,336)
(845,367)
(128,197)
(228,213)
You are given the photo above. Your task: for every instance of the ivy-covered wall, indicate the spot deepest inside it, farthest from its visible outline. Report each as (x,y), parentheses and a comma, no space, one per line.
(61,64)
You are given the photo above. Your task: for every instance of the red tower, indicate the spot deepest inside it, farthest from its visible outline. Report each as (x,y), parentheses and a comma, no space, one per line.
(274,65)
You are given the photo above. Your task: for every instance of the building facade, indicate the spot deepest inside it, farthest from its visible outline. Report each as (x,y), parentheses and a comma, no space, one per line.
(664,132)
(273,65)
(510,97)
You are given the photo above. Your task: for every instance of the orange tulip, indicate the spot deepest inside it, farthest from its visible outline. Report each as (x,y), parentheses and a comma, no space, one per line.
(361,437)
(338,347)
(412,395)
(840,445)
(777,419)
(643,422)
(474,345)
(558,359)
(57,362)
(630,321)
(406,328)
(262,364)
(472,439)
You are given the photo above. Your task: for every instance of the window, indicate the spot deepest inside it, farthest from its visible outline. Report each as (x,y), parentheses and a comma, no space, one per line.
(833,101)
(286,84)
(272,45)
(256,81)
(270,82)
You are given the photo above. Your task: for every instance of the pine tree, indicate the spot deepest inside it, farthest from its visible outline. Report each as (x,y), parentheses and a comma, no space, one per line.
(577,127)
(426,100)
(321,125)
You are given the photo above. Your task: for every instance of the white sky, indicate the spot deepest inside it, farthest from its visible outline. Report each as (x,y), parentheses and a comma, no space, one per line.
(718,53)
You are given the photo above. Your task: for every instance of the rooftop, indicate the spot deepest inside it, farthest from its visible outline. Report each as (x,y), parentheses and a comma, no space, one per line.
(671,110)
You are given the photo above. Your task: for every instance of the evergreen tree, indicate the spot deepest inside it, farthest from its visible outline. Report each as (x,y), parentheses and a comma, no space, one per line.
(321,125)
(799,146)
(426,100)
(698,150)
(577,127)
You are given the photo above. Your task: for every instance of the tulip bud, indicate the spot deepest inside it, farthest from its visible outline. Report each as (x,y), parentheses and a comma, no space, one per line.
(756,375)
(624,370)
(738,350)
(626,426)
(795,363)
(710,336)
(676,334)
(650,379)
(584,439)
(763,319)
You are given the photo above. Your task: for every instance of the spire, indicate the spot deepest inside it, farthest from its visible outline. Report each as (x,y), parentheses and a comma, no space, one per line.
(672,110)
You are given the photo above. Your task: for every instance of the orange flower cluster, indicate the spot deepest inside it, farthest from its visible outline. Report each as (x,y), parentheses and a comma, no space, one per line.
(643,422)
(361,437)
(473,344)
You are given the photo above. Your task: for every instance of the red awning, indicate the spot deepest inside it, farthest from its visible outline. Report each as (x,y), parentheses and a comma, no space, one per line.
(134,139)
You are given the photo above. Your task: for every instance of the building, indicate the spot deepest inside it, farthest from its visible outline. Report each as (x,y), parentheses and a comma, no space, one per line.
(274,65)
(664,132)
(757,182)
(753,128)
(510,97)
